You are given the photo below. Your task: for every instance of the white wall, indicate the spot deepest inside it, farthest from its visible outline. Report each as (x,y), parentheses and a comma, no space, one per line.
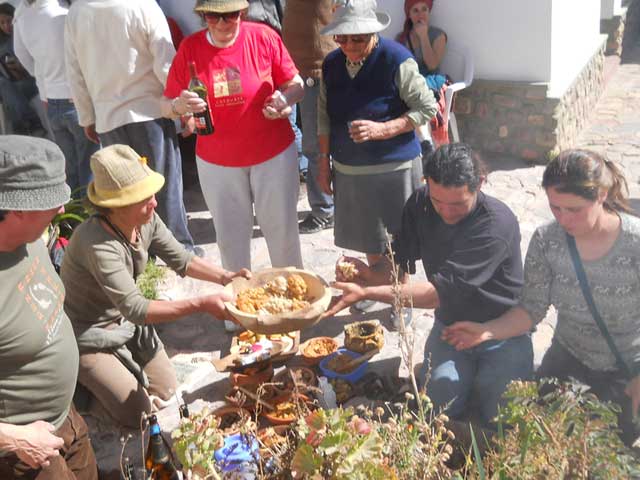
(610,8)
(520,40)
(575,35)
(509,39)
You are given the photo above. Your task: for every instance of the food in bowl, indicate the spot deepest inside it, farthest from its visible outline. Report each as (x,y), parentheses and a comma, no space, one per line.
(295,377)
(340,364)
(317,348)
(287,408)
(279,295)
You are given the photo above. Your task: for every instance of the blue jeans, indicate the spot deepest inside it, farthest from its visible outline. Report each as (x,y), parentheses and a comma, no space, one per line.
(15,96)
(608,386)
(70,137)
(157,140)
(321,203)
(303,163)
(484,371)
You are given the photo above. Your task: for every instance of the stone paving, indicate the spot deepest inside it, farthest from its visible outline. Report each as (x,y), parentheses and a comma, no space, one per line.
(194,341)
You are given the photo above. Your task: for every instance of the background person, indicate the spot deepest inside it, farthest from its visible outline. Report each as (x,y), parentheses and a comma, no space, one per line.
(372,97)
(17,87)
(118,100)
(301,27)
(38,25)
(428,45)
(587,196)
(469,244)
(250,161)
(41,435)
(122,360)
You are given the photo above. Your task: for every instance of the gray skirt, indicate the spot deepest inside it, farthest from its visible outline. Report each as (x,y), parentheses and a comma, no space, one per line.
(369,205)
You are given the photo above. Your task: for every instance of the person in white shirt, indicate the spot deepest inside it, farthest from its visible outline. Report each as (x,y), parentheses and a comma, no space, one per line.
(39,24)
(118,54)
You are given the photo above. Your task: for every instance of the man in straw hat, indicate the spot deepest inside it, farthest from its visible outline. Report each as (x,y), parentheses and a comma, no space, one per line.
(118,96)
(41,434)
(122,360)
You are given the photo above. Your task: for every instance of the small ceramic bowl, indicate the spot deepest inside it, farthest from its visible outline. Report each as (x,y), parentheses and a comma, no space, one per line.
(352,376)
(250,376)
(315,349)
(288,407)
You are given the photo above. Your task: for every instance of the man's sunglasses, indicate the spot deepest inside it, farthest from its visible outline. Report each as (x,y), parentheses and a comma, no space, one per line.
(344,39)
(227,16)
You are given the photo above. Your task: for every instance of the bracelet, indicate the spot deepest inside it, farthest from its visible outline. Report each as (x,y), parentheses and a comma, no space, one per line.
(173,108)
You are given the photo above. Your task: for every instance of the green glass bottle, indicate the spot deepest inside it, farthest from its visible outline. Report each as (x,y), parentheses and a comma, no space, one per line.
(204,122)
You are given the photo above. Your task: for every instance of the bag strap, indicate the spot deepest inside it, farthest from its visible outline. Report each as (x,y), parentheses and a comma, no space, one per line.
(586,292)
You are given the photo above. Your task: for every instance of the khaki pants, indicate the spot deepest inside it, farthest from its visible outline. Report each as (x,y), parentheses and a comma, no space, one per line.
(118,392)
(75,462)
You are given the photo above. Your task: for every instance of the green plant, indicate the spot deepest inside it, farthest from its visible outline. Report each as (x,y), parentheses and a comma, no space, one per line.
(149,280)
(566,433)
(339,445)
(195,440)
(75,212)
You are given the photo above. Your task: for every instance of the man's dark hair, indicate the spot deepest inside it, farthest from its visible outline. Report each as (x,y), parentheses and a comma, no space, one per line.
(7,9)
(3,213)
(454,165)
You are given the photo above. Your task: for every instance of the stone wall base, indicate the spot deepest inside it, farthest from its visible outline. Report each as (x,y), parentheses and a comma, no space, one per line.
(520,119)
(614,29)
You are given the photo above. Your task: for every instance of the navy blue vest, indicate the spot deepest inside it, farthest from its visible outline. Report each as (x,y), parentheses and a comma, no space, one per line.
(371,95)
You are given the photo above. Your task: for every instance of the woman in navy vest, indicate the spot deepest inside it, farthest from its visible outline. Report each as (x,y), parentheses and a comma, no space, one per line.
(371,99)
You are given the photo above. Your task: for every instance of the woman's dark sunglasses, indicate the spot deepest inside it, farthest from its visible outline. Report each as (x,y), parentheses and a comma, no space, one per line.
(343,39)
(227,16)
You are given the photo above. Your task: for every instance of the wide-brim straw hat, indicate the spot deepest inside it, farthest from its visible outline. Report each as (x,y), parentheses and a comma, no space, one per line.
(357,17)
(220,6)
(121,178)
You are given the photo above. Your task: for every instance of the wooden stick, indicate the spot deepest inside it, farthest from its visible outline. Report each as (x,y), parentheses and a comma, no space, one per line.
(256,398)
(354,362)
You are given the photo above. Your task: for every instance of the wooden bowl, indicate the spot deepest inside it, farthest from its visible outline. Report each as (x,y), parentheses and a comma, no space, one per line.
(319,295)
(315,349)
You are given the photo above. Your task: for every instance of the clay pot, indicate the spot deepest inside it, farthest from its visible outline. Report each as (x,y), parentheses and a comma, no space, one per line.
(288,407)
(239,399)
(304,378)
(315,349)
(362,337)
(231,418)
(250,378)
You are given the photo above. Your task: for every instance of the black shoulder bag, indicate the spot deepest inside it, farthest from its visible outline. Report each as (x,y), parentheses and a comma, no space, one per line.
(586,292)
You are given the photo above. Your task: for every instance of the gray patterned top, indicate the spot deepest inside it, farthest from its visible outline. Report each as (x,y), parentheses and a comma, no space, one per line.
(614,279)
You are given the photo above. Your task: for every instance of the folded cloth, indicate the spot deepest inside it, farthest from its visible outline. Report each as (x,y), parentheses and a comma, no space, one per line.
(134,345)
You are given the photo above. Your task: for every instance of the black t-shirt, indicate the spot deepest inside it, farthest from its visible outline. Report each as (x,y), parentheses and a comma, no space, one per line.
(475,265)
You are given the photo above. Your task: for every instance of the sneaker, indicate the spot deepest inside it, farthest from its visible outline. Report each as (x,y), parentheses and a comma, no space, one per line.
(314,223)
(365,305)
(407,314)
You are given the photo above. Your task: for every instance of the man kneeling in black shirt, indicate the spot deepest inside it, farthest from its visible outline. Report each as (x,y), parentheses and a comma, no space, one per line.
(469,244)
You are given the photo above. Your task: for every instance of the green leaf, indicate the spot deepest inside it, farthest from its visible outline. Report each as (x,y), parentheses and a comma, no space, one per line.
(305,461)
(476,455)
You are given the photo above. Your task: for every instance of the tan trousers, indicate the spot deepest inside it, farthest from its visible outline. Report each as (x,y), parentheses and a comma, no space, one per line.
(120,395)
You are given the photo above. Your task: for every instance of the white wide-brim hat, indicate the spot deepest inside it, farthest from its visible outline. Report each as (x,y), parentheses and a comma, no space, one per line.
(357,17)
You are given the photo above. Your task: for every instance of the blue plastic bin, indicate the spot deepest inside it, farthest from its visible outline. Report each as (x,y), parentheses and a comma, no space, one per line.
(349,377)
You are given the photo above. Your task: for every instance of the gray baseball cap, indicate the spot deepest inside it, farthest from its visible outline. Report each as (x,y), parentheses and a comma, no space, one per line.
(32,174)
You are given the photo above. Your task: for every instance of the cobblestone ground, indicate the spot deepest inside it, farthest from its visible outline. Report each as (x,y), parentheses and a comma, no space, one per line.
(194,341)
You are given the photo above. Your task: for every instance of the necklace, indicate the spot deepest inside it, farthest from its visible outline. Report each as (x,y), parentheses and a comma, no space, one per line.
(360,63)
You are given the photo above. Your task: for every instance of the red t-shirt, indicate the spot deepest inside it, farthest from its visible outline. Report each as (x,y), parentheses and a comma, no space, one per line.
(239,79)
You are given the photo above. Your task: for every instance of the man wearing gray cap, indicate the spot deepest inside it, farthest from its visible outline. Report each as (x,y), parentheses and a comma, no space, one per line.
(41,434)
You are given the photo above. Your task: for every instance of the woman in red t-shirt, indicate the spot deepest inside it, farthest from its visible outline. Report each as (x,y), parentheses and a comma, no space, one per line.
(251,157)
